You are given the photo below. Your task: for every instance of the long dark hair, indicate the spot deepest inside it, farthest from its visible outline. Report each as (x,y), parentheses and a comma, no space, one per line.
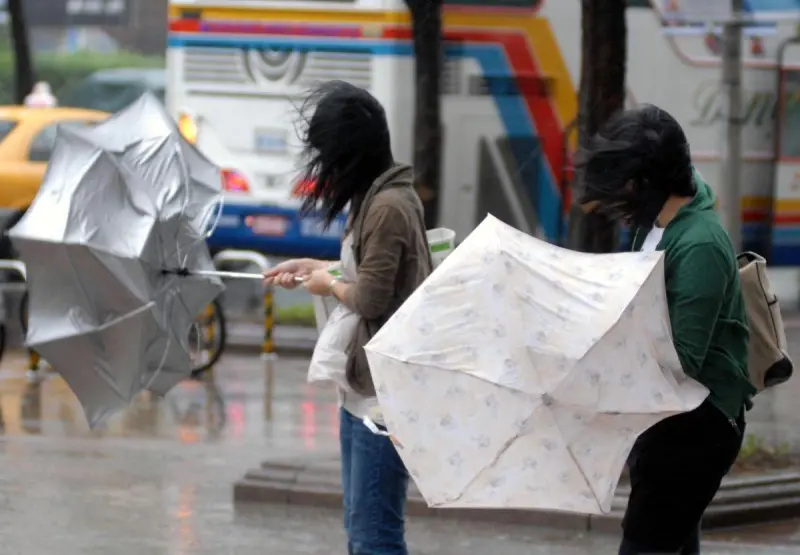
(634,164)
(346,146)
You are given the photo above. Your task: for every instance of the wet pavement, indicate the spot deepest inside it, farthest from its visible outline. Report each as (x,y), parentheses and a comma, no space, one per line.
(158,478)
(784,534)
(230,410)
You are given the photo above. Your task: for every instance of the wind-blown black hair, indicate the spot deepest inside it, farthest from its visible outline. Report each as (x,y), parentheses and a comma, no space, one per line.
(634,164)
(346,146)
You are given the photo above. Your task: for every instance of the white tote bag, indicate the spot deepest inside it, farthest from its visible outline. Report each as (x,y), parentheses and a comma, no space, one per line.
(329,360)
(337,323)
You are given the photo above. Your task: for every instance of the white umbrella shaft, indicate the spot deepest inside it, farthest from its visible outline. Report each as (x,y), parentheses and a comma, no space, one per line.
(236,275)
(229,275)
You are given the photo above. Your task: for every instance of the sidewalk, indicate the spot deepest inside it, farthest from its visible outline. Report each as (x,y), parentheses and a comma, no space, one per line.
(157,478)
(314,479)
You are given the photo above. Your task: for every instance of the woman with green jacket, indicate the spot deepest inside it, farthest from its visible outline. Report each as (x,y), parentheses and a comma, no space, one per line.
(639,169)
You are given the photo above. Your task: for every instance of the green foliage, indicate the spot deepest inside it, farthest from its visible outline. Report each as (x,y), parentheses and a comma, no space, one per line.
(62,69)
(757,455)
(755,447)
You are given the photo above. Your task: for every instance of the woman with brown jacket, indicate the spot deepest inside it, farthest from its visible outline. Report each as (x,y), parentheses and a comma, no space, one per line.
(350,162)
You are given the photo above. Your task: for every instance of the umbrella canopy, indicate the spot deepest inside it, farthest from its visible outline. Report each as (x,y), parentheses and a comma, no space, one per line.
(121,203)
(520,374)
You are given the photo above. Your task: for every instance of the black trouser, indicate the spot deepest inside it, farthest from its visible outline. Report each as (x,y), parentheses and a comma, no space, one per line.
(676,468)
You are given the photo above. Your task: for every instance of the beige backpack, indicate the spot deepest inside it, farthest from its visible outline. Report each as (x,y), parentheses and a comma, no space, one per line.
(769,364)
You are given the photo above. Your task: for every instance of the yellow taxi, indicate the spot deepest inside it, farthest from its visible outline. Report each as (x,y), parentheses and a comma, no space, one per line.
(27,138)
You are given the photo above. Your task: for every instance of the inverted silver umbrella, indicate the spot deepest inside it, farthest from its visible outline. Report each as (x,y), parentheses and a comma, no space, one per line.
(116,259)
(186,188)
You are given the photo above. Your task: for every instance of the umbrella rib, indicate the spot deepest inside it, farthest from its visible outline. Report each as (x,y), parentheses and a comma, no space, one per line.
(105,375)
(104,263)
(143,308)
(616,412)
(485,380)
(111,382)
(575,460)
(79,283)
(500,452)
(104,326)
(157,372)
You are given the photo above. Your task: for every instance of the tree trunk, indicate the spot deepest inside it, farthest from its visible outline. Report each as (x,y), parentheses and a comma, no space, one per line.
(426,17)
(23,63)
(602,93)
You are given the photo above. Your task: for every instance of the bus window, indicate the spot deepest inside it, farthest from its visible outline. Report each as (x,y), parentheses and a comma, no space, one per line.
(789,119)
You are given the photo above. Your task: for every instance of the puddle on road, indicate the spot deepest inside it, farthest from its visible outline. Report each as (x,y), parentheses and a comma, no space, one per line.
(230,408)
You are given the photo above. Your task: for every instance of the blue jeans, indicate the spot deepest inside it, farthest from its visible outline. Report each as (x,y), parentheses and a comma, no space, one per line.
(375,484)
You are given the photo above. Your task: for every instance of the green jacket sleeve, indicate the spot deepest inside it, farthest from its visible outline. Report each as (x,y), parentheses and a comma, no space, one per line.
(696,281)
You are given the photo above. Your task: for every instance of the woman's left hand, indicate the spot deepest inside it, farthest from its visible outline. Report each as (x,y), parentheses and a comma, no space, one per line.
(319,283)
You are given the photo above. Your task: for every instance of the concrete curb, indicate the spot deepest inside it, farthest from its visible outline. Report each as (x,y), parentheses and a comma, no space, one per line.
(740,501)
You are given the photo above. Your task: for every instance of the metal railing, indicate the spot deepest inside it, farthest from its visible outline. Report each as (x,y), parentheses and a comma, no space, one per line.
(268,355)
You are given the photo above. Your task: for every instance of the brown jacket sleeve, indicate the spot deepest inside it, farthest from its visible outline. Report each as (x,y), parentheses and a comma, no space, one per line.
(386,235)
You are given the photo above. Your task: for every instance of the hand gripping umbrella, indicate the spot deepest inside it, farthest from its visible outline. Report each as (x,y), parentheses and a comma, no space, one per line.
(520,374)
(116,259)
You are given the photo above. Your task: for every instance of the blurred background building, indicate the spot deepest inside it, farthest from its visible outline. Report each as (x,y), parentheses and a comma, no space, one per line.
(69,26)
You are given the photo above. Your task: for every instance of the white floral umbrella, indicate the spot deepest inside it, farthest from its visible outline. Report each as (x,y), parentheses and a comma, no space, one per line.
(520,374)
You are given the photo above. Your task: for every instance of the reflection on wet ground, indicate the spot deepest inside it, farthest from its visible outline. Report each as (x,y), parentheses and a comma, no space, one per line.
(158,478)
(229,408)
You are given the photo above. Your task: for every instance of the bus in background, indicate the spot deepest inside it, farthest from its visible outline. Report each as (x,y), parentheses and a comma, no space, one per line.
(237,69)
(676,63)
